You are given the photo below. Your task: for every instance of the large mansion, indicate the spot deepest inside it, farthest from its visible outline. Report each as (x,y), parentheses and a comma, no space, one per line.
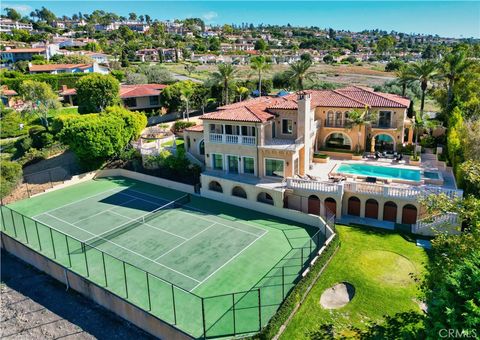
(262,150)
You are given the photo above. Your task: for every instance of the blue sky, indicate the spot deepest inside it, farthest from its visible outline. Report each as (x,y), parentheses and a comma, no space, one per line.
(445,18)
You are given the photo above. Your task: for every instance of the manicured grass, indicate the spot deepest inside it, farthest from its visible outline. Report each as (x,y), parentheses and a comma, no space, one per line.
(380,266)
(179,142)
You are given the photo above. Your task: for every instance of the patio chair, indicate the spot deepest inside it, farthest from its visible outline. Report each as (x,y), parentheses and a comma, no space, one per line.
(371,179)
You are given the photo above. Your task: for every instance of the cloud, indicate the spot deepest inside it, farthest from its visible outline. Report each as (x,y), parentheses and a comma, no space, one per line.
(19,8)
(210,16)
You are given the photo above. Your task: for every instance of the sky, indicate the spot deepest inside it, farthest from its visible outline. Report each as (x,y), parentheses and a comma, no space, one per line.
(445,18)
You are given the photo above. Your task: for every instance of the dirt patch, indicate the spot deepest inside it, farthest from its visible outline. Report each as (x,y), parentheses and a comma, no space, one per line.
(337,296)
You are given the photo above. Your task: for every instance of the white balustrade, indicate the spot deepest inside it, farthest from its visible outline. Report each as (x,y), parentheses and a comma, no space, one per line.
(216,137)
(231,139)
(249,140)
(302,184)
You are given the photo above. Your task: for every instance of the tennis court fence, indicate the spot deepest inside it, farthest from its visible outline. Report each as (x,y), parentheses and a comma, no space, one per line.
(201,317)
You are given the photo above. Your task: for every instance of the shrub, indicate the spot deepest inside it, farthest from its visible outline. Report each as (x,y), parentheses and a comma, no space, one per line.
(24,144)
(320,155)
(428,142)
(32,156)
(11,125)
(180,125)
(11,174)
(393,65)
(96,92)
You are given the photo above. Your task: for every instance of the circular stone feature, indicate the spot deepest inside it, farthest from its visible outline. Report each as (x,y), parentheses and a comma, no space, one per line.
(337,296)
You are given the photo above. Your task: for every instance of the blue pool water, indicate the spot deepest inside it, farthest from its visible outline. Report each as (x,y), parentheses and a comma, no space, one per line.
(380,171)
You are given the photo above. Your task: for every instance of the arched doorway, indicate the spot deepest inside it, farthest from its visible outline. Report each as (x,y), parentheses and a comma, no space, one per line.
(371,208)
(338,140)
(330,207)
(390,211)
(384,142)
(313,205)
(354,206)
(239,192)
(263,197)
(215,186)
(409,214)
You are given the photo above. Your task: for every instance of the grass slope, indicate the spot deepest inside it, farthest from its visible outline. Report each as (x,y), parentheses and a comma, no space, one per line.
(379,265)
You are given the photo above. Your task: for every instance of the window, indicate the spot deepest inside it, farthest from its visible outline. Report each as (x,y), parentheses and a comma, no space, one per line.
(232,130)
(232,164)
(201,147)
(187,142)
(287,126)
(248,165)
(217,161)
(130,102)
(274,167)
(248,131)
(216,128)
(154,101)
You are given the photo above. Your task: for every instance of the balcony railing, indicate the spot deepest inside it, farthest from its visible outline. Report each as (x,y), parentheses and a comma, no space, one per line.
(232,139)
(305,184)
(334,123)
(385,125)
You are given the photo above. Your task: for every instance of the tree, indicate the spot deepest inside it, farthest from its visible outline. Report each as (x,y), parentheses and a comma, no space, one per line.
(225,76)
(202,97)
(132,78)
(187,93)
(11,174)
(132,16)
(404,77)
(38,98)
(357,119)
(261,65)
(299,72)
(328,59)
(190,68)
(453,67)
(420,122)
(95,92)
(174,96)
(156,74)
(242,92)
(12,14)
(73,59)
(385,44)
(425,72)
(261,45)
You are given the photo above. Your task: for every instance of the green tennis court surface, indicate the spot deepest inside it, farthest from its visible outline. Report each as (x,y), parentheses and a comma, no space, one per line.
(204,266)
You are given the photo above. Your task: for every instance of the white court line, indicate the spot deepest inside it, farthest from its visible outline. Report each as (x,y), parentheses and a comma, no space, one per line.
(230,260)
(186,240)
(104,211)
(149,225)
(80,200)
(209,220)
(129,250)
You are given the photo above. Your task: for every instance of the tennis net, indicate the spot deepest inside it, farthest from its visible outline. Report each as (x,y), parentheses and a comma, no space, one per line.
(130,225)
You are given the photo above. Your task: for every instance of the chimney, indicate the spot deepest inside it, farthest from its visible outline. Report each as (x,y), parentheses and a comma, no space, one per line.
(304,116)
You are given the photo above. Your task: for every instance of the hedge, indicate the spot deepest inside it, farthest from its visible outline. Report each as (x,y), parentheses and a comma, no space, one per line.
(54,80)
(297,293)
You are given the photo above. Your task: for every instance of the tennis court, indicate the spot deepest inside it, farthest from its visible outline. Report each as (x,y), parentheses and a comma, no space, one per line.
(195,263)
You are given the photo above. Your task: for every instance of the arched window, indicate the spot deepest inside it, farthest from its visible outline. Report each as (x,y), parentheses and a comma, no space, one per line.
(215,186)
(201,147)
(338,140)
(338,118)
(330,118)
(239,192)
(263,197)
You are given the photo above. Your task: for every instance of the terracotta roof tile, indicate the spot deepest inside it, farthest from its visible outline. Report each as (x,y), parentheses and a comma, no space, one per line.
(141,90)
(25,50)
(195,128)
(53,67)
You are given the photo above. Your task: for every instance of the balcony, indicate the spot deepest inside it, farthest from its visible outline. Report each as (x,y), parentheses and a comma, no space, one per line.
(384,125)
(335,123)
(283,143)
(232,139)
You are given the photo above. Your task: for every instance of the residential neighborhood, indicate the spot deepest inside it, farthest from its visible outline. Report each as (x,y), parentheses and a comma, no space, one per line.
(197,170)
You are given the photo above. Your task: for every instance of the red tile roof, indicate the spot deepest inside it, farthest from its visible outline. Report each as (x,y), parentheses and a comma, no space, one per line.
(141,90)
(25,50)
(54,67)
(7,92)
(195,128)
(257,109)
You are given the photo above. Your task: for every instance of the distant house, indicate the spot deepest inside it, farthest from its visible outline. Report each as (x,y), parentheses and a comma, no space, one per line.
(147,54)
(7,25)
(134,97)
(7,95)
(67,68)
(12,55)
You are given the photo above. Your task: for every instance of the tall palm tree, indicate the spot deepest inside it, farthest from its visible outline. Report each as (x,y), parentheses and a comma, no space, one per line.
(404,77)
(225,75)
(187,93)
(261,65)
(299,72)
(425,72)
(357,119)
(452,69)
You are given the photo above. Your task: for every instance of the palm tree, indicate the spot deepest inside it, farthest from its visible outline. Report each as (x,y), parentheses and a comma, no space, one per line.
(452,69)
(187,93)
(225,75)
(259,64)
(357,119)
(298,72)
(424,72)
(242,92)
(404,77)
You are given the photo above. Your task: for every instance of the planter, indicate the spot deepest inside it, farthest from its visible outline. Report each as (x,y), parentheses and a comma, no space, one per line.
(357,157)
(321,160)
(415,163)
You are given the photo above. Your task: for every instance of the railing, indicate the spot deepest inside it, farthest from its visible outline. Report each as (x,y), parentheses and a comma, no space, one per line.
(305,184)
(437,223)
(206,317)
(385,125)
(334,123)
(232,139)
(399,192)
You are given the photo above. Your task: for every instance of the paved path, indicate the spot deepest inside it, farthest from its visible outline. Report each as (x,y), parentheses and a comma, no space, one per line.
(35,306)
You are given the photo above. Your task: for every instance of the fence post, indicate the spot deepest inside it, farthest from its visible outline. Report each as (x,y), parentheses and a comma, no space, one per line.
(13,223)
(104,269)
(68,251)
(28,190)
(259,311)
(38,236)
(233,310)
(203,320)
(125,276)
(283,282)
(53,244)
(301,264)
(85,255)
(50,177)
(148,292)
(174,309)
(311,248)
(25,229)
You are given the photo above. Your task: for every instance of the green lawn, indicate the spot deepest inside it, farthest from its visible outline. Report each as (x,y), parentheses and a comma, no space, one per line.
(379,265)
(179,142)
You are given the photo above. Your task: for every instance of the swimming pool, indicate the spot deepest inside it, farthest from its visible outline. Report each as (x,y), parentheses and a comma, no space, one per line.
(380,171)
